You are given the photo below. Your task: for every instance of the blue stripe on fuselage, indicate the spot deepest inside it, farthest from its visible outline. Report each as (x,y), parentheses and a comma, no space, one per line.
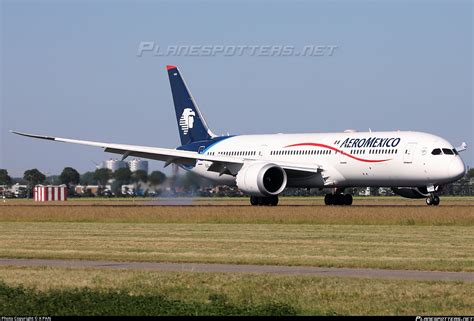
(194,146)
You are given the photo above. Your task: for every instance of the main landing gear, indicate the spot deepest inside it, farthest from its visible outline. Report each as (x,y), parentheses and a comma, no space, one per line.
(338,199)
(264,201)
(433,200)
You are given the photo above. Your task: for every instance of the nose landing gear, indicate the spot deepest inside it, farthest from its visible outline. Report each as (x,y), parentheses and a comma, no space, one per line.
(433,200)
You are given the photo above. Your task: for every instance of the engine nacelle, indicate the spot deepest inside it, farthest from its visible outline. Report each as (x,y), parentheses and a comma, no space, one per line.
(411,192)
(261,179)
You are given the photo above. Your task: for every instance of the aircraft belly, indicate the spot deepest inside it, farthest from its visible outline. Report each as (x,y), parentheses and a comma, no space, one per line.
(313,181)
(201,170)
(385,174)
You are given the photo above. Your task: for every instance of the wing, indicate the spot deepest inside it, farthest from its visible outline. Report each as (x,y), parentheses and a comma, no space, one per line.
(162,154)
(221,164)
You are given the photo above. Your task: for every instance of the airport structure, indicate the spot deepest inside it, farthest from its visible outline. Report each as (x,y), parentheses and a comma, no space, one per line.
(50,193)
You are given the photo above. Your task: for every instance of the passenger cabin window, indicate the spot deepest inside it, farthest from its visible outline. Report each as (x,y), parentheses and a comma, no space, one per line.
(448,151)
(436,151)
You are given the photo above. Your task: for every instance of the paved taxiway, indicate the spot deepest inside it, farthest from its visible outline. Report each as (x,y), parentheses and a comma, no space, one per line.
(237,268)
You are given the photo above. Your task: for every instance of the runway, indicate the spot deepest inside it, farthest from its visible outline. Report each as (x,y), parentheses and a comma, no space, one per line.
(252,269)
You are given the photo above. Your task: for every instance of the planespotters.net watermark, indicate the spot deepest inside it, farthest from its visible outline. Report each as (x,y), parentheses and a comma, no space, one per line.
(154,49)
(442,318)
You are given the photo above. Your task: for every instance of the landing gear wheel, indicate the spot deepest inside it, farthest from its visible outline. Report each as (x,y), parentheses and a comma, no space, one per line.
(273,200)
(348,199)
(329,199)
(264,201)
(254,200)
(339,199)
(433,200)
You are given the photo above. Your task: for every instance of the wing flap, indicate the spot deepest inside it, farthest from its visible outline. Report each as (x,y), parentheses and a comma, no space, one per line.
(160,157)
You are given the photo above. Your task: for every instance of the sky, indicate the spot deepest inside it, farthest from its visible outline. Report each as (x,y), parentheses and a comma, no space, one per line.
(72,69)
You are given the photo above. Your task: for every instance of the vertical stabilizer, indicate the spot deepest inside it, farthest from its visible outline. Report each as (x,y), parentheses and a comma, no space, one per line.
(191,124)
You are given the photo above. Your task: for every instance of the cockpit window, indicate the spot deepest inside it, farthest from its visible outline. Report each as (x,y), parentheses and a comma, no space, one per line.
(436,151)
(455,151)
(448,151)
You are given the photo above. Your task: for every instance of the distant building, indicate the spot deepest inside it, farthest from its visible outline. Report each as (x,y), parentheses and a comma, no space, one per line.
(112,164)
(138,165)
(134,165)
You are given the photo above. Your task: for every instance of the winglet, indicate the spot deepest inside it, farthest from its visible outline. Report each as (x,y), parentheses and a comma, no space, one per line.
(168,67)
(461,148)
(33,136)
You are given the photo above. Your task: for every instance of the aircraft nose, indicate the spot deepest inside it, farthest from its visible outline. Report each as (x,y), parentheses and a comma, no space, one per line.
(457,169)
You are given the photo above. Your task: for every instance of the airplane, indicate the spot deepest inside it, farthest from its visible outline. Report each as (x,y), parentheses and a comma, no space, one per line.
(413,164)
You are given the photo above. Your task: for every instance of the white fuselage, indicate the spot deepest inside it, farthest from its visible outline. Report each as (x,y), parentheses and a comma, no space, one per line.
(350,159)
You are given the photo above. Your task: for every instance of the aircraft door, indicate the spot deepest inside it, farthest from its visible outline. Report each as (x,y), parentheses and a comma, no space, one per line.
(263,151)
(409,152)
(341,158)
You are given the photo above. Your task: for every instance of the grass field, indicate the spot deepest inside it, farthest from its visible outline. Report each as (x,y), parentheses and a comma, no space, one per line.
(446,248)
(303,200)
(455,212)
(408,235)
(84,291)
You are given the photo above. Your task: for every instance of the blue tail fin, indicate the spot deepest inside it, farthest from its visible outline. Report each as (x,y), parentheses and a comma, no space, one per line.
(191,125)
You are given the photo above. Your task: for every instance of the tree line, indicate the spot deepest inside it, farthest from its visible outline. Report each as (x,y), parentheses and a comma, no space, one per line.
(71,177)
(190,182)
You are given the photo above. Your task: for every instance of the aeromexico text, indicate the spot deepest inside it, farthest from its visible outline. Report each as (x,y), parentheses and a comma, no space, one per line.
(371,142)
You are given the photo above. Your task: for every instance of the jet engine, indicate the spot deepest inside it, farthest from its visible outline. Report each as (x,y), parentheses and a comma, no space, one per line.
(261,179)
(411,192)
